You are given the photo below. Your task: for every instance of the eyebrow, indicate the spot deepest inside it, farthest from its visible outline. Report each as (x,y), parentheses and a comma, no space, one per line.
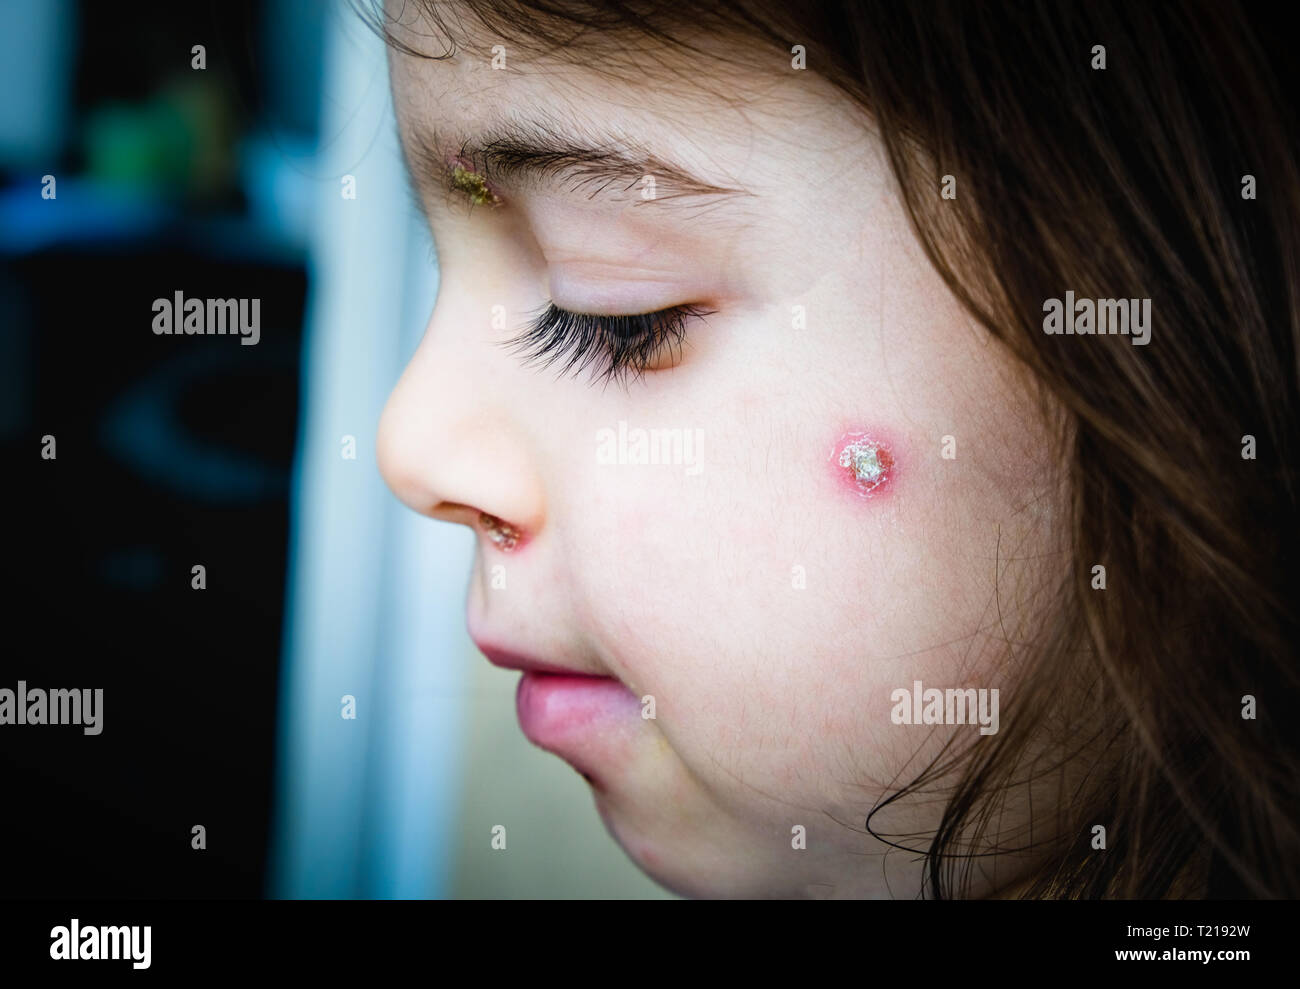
(517,155)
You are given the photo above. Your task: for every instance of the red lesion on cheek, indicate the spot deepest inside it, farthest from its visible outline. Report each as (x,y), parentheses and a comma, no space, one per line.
(864,462)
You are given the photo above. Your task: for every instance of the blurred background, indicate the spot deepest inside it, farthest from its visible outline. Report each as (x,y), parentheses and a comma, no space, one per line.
(237,150)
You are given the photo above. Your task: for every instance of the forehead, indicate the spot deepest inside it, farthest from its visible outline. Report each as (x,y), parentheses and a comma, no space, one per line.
(733,115)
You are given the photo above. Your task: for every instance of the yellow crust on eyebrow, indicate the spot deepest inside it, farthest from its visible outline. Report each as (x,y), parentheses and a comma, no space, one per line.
(474,186)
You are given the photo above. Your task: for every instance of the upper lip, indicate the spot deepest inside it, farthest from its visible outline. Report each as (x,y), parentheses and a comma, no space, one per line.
(510,659)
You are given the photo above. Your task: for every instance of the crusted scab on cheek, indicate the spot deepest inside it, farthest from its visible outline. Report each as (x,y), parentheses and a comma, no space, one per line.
(864,463)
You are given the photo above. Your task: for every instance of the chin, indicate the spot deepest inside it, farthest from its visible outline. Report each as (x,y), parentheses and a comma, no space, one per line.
(679,871)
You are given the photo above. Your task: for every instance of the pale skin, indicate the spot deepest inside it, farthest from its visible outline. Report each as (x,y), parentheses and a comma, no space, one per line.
(771,689)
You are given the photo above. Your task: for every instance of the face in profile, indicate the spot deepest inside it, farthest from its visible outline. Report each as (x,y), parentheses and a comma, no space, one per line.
(755,480)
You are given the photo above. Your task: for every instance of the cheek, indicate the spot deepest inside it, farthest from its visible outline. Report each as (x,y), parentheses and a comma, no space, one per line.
(772,601)
(738,598)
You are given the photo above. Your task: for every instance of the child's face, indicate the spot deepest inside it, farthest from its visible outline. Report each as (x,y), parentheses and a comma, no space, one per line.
(768,608)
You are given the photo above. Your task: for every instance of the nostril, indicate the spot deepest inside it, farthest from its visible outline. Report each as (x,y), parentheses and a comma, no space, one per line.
(504,535)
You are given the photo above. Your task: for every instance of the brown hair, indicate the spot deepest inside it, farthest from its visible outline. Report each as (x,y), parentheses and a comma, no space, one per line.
(1124,181)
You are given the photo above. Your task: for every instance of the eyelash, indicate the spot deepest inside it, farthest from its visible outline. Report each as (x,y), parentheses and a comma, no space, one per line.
(615,347)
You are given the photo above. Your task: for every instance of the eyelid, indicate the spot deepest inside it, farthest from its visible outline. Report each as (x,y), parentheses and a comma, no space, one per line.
(619,346)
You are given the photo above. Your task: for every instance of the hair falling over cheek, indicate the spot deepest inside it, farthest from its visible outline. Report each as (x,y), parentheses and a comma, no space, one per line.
(864,464)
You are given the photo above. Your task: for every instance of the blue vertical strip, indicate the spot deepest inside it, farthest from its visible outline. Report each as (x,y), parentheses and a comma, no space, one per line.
(37,45)
(365,807)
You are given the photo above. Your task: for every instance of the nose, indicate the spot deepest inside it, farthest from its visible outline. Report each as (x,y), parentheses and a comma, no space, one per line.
(452,443)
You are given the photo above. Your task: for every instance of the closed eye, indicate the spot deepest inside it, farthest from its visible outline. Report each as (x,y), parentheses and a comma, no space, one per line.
(613,347)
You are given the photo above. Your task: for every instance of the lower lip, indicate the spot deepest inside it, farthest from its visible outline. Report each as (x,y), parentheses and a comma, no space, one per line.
(566,714)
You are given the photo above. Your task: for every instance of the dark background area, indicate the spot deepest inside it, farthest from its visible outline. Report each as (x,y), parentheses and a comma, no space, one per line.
(171,452)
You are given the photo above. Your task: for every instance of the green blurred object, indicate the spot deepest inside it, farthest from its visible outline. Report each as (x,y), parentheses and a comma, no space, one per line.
(178,143)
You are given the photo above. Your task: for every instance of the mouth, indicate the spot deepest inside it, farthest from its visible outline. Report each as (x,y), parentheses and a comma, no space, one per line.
(580,716)
(509,660)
